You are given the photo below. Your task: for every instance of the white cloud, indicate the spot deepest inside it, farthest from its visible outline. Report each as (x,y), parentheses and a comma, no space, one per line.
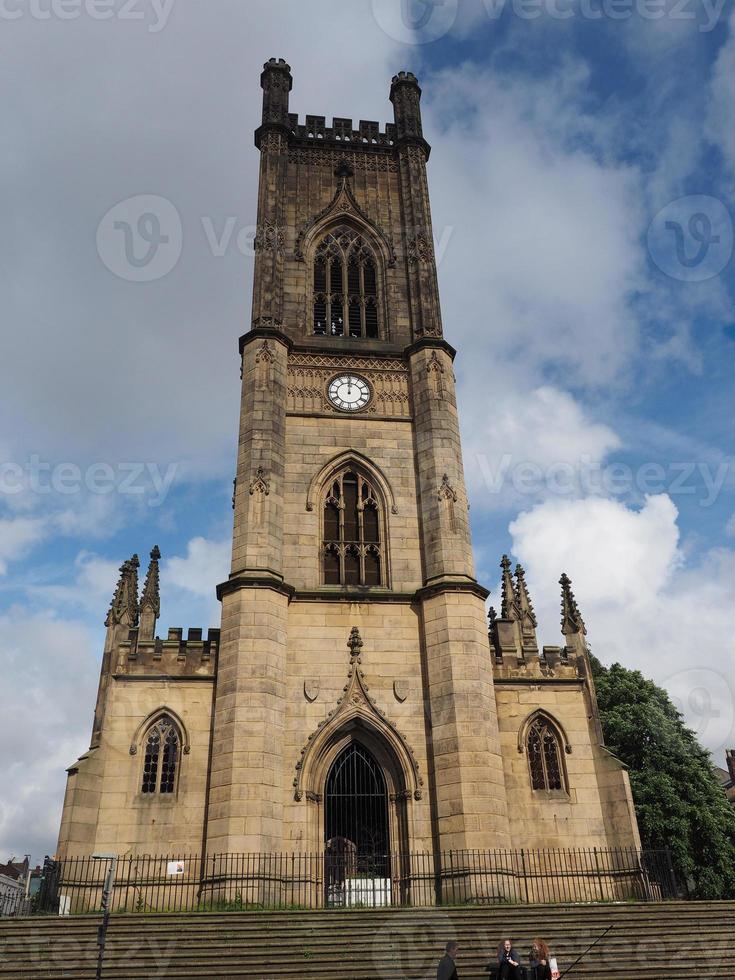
(205,566)
(88,588)
(545,427)
(545,253)
(721,120)
(644,606)
(49,669)
(17,537)
(152,369)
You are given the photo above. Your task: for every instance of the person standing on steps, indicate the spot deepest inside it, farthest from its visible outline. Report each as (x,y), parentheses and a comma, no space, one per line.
(539,959)
(509,962)
(447,969)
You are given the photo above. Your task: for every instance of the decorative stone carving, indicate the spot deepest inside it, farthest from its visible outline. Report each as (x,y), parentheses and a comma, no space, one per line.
(311,690)
(357,702)
(360,161)
(434,330)
(124,609)
(344,203)
(260,484)
(269,238)
(420,249)
(401,690)
(267,320)
(272,143)
(434,366)
(435,375)
(151,597)
(354,644)
(309,376)
(571,618)
(446,491)
(265,354)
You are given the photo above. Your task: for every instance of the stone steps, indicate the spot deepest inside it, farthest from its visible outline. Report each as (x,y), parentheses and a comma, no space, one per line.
(650,942)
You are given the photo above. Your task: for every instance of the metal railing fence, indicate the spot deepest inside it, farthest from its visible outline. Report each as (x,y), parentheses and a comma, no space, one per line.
(231,882)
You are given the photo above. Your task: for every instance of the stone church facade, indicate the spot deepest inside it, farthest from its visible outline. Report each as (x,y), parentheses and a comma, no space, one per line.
(355,690)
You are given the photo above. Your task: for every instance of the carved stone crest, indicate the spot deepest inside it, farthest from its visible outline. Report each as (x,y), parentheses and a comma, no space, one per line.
(401,690)
(311,689)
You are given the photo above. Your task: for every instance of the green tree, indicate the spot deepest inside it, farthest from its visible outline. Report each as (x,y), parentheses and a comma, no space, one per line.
(678,796)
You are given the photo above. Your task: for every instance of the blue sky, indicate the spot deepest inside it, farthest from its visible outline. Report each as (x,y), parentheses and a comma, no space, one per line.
(582,182)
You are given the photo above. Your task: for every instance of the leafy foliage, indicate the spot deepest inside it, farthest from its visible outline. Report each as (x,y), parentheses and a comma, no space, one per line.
(678,796)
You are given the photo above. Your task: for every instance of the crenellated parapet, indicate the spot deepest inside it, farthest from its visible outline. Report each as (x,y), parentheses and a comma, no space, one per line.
(176,656)
(277,82)
(366,133)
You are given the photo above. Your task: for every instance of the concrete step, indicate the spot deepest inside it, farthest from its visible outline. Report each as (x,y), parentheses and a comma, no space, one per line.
(675,941)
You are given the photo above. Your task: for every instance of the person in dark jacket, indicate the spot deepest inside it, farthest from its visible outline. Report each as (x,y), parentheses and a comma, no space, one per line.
(509,962)
(447,969)
(538,961)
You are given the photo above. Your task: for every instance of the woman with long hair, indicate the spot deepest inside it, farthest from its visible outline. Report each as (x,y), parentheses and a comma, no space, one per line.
(538,960)
(509,962)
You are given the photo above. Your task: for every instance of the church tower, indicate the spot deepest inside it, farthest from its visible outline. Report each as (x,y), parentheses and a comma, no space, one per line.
(354,700)
(353,635)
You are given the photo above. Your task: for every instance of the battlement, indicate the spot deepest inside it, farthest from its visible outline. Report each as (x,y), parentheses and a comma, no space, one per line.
(368,133)
(172,657)
(551,663)
(405,76)
(277,83)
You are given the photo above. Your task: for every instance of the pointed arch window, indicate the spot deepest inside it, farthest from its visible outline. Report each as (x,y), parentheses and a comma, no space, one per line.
(544,756)
(161,760)
(352,549)
(345,286)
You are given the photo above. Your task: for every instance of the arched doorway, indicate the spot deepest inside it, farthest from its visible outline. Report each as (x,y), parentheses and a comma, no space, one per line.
(357,829)
(356,801)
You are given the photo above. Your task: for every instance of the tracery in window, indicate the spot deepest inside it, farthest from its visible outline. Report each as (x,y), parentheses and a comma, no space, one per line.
(161,757)
(544,756)
(345,286)
(352,551)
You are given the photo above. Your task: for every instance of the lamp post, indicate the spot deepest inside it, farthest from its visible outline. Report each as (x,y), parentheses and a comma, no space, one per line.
(107,889)
(28,877)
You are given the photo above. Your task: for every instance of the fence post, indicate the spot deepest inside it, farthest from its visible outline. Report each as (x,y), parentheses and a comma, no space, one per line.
(674,888)
(599,875)
(525,873)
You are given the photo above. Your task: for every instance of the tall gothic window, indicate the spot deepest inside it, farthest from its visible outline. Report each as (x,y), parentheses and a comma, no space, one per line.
(351,550)
(345,286)
(161,757)
(544,756)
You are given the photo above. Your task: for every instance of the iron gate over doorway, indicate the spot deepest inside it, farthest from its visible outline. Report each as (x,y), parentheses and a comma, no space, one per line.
(356,830)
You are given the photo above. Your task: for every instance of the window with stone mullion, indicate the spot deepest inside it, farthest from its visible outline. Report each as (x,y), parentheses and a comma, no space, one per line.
(351,544)
(544,758)
(336,293)
(345,287)
(161,757)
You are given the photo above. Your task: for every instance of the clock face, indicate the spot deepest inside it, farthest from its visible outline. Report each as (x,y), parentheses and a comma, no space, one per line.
(349,393)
